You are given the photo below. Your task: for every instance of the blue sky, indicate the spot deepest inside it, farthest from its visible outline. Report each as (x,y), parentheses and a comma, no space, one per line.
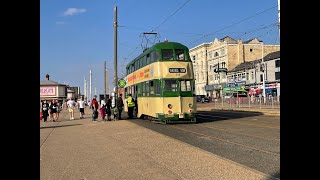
(78,34)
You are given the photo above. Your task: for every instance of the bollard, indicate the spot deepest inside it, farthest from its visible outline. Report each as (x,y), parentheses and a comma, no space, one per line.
(272,102)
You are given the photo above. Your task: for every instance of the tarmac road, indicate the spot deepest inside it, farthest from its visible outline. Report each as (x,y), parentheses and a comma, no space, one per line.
(251,139)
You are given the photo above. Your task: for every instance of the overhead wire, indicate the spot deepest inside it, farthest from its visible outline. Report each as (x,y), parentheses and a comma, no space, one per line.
(238,22)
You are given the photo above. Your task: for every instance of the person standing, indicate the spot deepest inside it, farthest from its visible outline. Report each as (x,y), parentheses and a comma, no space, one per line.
(53,110)
(70,105)
(45,109)
(95,108)
(58,109)
(130,103)
(81,106)
(108,109)
(119,106)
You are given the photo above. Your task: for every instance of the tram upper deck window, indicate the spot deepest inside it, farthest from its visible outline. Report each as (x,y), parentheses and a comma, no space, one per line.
(171,85)
(180,54)
(167,54)
(154,56)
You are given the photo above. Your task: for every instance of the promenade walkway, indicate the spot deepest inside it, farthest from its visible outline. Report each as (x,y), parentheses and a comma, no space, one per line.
(82,149)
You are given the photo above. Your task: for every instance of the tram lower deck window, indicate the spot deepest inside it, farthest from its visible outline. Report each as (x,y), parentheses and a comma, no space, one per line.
(171,85)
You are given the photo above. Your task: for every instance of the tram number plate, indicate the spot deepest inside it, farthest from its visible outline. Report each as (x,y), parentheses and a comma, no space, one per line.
(177,70)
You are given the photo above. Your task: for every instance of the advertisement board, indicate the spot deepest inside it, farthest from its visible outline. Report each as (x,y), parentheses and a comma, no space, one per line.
(48,91)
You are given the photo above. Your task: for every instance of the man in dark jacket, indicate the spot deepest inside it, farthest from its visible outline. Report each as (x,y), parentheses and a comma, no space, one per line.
(119,106)
(45,108)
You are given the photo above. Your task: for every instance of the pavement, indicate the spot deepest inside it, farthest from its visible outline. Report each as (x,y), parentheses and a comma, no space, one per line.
(82,149)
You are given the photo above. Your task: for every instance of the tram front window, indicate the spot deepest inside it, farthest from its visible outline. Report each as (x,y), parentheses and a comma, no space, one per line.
(180,54)
(185,85)
(170,85)
(167,54)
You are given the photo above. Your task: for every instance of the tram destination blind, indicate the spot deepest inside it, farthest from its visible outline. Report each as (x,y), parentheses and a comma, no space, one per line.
(177,70)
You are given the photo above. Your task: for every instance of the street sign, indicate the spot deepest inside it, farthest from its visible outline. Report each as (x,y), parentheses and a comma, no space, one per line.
(122,83)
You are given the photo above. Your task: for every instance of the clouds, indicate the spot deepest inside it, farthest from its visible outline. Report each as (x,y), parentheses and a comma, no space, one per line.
(74,11)
(71,12)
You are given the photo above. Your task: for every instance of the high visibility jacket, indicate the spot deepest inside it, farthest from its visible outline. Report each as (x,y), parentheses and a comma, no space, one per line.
(130,102)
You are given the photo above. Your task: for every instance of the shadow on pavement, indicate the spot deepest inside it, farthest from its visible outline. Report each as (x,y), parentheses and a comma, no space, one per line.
(60,126)
(219,115)
(274,176)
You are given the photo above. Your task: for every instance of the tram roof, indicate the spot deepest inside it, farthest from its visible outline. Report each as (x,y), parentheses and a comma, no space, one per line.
(160,45)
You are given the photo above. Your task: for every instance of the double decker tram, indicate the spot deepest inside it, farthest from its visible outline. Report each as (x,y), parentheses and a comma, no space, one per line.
(161,80)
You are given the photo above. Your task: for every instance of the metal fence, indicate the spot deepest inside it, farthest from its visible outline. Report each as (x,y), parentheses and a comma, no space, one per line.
(247,102)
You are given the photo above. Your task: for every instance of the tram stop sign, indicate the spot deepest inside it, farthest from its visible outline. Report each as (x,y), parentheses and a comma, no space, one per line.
(122,83)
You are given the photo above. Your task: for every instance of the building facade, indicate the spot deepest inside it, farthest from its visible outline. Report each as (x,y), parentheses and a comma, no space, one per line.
(251,75)
(50,90)
(211,61)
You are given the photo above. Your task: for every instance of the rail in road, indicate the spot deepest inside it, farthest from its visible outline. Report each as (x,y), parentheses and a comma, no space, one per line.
(251,139)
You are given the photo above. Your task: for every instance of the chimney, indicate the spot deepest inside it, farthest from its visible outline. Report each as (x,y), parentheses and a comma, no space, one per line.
(47,77)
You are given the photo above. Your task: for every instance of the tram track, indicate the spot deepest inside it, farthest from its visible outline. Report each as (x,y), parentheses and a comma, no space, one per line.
(249,135)
(204,116)
(227,141)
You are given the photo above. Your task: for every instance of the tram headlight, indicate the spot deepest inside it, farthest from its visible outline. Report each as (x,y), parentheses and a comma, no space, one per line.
(169,111)
(190,105)
(170,106)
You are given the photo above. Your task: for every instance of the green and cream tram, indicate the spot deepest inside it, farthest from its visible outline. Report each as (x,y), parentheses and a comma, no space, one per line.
(161,80)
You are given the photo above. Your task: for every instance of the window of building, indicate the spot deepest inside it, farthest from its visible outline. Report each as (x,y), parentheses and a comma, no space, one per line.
(211,77)
(243,75)
(194,58)
(167,54)
(180,54)
(216,54)
(247,76)
(202,76)
(252,75)
(261,78)
(277,63)
(222,51)
(223,65)
(277,75)
(251,50)
(170,85)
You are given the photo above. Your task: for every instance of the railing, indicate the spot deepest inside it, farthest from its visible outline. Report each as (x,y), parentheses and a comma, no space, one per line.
(247,102)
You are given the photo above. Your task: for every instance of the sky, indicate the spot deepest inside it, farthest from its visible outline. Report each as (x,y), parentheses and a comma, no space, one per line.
(76,35)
